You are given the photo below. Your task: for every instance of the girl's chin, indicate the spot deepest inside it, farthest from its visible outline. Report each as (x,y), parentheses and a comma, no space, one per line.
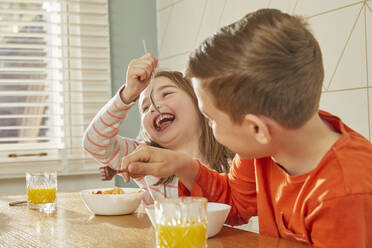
(165,140)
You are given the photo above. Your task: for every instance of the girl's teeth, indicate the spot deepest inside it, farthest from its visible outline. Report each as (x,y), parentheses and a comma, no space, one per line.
(162,117)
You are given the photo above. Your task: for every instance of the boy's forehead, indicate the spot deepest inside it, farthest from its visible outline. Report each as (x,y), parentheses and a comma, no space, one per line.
(202,95)
(195,81)
(197,84)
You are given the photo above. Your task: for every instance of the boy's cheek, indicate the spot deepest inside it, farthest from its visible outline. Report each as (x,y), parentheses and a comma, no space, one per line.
(218,136)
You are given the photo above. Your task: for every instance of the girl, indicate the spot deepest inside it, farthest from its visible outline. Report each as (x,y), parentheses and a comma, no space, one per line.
(179,127)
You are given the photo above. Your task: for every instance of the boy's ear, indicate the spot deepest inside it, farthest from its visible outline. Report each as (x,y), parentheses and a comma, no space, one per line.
(258,128)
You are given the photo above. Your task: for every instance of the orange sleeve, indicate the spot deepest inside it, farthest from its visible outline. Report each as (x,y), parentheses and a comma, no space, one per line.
(342,222)
(237,189)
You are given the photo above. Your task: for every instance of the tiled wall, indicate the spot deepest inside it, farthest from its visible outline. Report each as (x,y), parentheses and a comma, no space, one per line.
(342,27)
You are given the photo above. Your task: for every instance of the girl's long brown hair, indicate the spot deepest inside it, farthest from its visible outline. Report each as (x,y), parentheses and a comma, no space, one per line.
(215,155)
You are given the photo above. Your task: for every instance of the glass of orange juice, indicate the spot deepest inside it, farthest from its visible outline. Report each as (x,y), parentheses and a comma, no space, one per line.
(41,191)
(181,222)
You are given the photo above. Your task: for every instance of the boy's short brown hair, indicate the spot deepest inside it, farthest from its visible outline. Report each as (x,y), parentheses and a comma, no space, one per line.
(267,63)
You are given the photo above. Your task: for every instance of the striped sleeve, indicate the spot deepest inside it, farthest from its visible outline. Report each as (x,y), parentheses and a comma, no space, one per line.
(158,191)
(101,138)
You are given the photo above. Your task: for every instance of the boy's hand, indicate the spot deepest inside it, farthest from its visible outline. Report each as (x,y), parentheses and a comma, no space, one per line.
(147,160)
(138,76)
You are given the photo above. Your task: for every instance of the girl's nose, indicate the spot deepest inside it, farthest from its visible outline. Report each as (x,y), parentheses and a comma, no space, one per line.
(153,109)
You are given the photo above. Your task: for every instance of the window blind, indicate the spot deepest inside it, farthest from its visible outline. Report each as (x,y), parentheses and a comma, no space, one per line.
(54,77)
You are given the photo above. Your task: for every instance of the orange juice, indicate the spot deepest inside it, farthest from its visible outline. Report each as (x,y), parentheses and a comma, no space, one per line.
(41,196)
(191,235)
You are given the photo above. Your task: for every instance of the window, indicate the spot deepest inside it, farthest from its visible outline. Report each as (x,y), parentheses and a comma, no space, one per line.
(54,77)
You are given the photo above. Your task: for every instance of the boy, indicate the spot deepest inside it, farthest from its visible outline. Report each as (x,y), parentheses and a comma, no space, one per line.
(306,174)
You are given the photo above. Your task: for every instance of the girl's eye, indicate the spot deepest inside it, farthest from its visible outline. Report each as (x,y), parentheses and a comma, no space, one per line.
(166,94)
(145,109)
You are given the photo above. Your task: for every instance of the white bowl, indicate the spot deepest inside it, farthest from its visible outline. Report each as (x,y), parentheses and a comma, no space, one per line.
(112,204)
(216,216)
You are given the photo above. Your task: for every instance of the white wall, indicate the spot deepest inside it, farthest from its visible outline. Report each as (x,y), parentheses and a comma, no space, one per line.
(339,25)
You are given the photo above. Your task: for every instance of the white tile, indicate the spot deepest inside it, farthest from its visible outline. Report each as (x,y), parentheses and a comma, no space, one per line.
(313,7)
(182,27)
(177,63)
(352,69)
(162,19)
(211,19)
(351,106)
(286,6)
(161,4)
(236,9)
(369,41)
(332,30)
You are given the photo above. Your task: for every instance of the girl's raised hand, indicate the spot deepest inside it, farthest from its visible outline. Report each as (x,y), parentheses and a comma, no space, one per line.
(138,76)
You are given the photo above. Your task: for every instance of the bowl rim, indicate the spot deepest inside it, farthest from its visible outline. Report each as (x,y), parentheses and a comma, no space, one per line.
(88,192)
(223,205)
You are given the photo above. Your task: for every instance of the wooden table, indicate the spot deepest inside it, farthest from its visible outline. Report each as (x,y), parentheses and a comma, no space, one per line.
(72,225)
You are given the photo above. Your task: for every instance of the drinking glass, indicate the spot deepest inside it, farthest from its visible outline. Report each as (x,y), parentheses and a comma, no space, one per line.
(41,191)
(181,222)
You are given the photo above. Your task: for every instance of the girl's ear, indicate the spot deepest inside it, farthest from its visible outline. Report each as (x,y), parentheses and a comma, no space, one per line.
(258,128)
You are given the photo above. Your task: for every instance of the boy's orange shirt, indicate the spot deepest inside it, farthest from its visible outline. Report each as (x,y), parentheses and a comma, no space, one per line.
(330,206)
